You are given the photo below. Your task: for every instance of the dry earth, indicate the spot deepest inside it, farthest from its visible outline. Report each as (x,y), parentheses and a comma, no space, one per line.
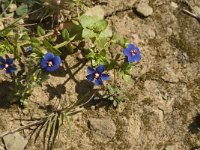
(162,113)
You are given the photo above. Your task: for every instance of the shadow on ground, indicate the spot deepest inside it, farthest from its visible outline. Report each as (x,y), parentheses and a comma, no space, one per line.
(57,91)
(5,94)
(194,127)
(88,96)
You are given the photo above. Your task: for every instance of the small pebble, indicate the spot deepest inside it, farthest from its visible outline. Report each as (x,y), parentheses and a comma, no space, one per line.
(151,34)
(174,5)
(144,9)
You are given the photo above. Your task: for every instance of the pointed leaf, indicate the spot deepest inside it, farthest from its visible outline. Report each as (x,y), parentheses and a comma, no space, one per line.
(65,34)
(40,31)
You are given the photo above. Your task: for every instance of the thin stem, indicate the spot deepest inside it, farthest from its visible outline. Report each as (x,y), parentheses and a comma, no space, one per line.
(22,128)
(73,106)
(192,14)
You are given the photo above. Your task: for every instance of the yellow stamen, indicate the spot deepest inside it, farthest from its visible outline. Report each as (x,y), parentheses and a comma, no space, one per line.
(50,63)
(133,52)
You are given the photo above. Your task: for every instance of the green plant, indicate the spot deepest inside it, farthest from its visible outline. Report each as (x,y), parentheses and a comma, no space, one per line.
(28,58)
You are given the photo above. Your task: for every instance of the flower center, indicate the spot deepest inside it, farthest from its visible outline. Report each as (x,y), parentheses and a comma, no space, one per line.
(96,75)
(50,63)
(133,52)
(6,66)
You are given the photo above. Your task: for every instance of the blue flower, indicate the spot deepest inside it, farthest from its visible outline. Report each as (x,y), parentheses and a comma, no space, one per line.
(133,53)
(29,49)
(97,75)
(50,62)
(7,65)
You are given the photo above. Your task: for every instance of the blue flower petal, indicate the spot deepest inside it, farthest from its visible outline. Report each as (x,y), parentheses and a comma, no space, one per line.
(13,68)
(49,56)
(98,81)
(127,52)
(10,69)
(2,60)
(43,63)
(90,77)
(56,61)
(29,49)
(9,61)
(104,77)
(131,59)
(128,49)
(131,46)
(2,66)
(90,70)
(7,71)
(100,69)
(137,58)
(52,68)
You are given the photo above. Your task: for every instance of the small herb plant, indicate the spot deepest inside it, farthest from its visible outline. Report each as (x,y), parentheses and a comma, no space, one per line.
(27,58)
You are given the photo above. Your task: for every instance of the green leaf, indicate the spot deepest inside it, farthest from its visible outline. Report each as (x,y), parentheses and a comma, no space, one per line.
(5,31)
(86,21)
(98,26)
(123,42)
(101,43)
(76,32)
(126,77)
(107,33)
(50,48)
(65,34)
(22,9)
(25,37)
(103,53)
(87,33)
(90,55)
(35,42)
(70,48)
(40,31)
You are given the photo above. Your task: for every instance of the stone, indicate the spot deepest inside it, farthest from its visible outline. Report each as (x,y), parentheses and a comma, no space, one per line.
(169,147)
(174,5)
(144,9)
(160,114)
(103,129)
(14,141)
(151,33)
(169,31)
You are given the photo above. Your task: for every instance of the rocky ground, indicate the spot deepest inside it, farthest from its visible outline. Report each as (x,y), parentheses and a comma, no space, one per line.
(163,110)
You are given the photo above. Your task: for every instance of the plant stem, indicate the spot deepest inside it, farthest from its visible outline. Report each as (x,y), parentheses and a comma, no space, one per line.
(22,127)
